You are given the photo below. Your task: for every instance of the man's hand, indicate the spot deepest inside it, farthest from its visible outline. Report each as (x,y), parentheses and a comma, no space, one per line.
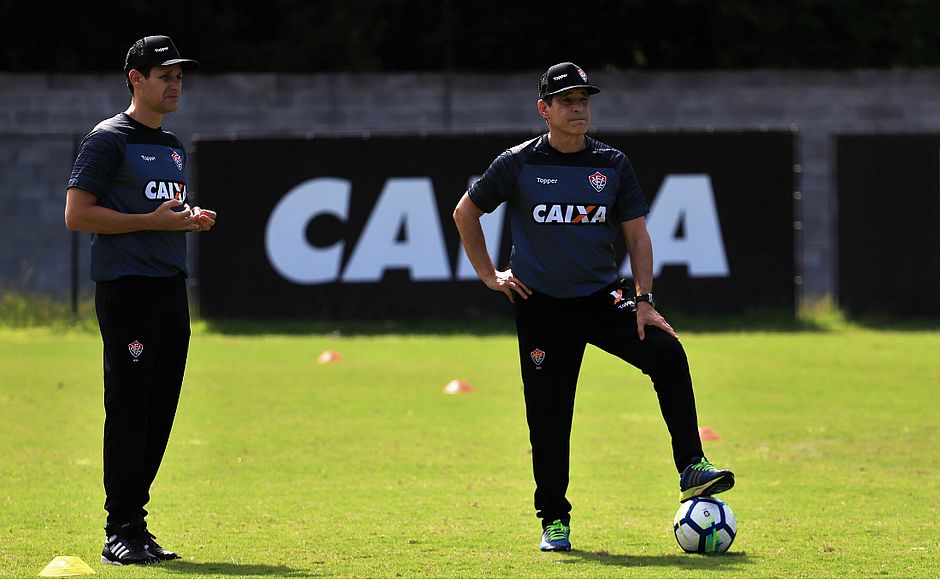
(509,285)
(203,219)
(646,315)
(166,218)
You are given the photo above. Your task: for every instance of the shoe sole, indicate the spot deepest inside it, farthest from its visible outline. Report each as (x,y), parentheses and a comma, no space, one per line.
(718,485)
(106,560)
(568,549)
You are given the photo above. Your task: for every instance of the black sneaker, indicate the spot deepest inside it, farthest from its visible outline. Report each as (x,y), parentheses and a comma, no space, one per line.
(150,543)
(703,478)
(124,550)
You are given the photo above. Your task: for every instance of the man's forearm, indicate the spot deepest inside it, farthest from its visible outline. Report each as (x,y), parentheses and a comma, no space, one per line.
(640,249)
(641,263)
(101,220)
(474,244)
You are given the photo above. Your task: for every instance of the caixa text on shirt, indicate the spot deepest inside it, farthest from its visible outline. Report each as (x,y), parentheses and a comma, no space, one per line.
(403,229)
(565,213)
(165,190)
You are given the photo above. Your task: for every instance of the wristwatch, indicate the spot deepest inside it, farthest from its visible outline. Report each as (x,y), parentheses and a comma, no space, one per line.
(648,297)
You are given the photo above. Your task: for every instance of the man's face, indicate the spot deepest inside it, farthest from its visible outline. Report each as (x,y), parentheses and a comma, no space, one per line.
(161,91)
(569,113)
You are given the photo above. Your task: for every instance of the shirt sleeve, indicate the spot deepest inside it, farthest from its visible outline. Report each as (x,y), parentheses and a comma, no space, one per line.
(630,203)
(99,157)
(498,183)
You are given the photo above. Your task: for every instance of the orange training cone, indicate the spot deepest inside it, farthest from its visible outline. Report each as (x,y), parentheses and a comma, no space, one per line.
(329,356)
(708,434)
(457,386)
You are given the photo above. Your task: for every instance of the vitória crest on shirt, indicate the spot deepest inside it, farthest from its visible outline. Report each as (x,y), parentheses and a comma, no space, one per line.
(597,181)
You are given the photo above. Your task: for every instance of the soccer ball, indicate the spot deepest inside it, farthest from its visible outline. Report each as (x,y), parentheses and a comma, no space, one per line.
(705,525)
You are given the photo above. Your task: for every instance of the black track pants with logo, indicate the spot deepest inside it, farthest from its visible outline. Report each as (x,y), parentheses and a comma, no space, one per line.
(144,325)
(552,335)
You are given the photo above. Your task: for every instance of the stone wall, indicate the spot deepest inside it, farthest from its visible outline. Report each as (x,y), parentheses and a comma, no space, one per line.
(42,116)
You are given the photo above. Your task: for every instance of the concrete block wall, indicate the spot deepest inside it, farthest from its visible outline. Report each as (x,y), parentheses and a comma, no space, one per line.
(42,114)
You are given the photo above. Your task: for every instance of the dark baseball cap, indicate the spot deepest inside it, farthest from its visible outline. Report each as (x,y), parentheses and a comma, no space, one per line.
(153,51)
(562,77)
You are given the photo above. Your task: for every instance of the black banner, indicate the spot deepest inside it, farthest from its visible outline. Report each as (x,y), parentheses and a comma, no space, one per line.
(889,224)
(351,227)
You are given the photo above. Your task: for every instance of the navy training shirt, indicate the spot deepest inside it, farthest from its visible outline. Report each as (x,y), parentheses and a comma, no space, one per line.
(565,210)
(133,168)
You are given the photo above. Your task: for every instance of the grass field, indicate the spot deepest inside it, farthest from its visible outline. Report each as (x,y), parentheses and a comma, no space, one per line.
(281,467)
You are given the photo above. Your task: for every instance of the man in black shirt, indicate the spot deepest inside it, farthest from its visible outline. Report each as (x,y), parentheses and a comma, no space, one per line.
(128,189)
(568,196)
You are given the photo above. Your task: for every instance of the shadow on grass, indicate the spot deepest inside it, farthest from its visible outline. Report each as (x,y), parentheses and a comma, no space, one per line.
(188,569)
(727,561)
(487,326)
(20,310)
(762,321)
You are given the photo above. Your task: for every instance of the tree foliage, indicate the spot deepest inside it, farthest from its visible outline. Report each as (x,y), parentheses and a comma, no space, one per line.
(482,35)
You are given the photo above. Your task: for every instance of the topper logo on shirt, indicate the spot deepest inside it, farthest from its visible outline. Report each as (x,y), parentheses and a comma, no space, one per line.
(179,160)
(597,181)
(165,190)
(569,213)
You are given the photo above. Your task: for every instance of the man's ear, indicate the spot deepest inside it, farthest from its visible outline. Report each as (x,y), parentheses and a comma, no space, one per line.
(543,109)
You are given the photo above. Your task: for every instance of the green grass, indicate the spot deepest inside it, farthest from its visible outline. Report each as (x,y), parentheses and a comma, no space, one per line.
(281,467)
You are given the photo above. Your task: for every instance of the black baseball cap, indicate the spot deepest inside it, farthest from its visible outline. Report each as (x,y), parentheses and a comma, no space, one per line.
(562,77)
(153,51)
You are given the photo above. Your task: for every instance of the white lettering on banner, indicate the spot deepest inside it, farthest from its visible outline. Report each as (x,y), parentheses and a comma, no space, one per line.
(408,204)
(492,224)
(285,238)
(404,231)
(686,199)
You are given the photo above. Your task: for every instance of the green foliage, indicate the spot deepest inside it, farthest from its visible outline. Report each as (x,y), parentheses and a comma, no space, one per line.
(282,467)
(19,310)
(403,35)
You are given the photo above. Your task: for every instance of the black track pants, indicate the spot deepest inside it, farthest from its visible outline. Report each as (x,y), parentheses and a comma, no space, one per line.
(144,325)
(552,335)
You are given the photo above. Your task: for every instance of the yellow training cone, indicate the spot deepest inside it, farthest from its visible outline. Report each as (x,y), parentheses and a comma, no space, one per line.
(62,566)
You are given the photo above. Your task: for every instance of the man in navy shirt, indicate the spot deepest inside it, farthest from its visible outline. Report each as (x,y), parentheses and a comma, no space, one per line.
(568,194)
(128,189)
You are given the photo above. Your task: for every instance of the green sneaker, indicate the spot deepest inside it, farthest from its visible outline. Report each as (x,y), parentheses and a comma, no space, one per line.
(703,478)
(555,537)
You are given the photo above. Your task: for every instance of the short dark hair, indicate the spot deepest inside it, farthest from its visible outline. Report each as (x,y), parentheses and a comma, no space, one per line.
(136,49)
(550,98)
(144,70)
